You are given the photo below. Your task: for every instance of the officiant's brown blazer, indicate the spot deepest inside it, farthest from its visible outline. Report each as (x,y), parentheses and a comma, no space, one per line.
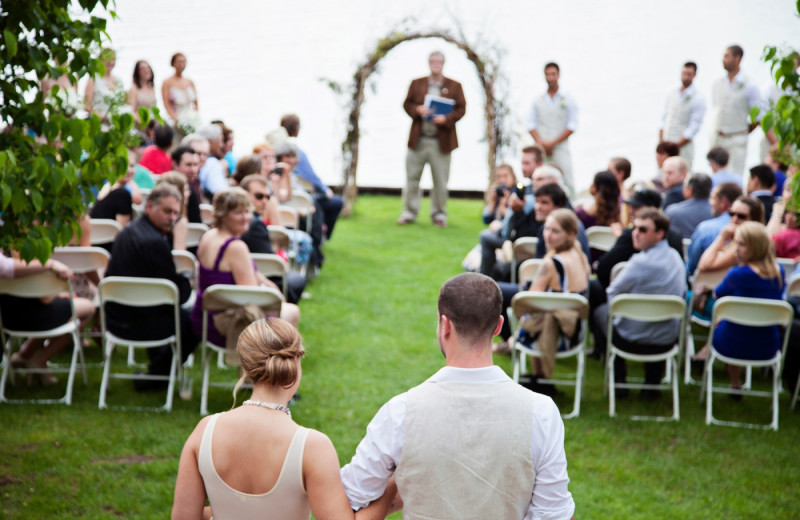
(448,141)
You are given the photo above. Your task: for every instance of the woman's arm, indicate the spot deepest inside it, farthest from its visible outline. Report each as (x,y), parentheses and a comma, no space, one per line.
(273,213)
(775,224)
(179,233)
(323,484)
(131,101)
(544,276)
(238,259)
(389,503)
(167,101)
(190,493)
(196,106)
(716,257)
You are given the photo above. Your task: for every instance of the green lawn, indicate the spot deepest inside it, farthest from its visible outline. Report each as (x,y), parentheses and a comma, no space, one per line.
(369,331)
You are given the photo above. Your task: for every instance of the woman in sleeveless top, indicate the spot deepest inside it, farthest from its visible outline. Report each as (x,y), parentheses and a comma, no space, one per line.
(223,258)
(142,93)
(102,93)
(565,269)
(254,461)
(180,96)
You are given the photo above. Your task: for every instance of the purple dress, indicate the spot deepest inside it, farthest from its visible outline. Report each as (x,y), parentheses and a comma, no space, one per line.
(206,278)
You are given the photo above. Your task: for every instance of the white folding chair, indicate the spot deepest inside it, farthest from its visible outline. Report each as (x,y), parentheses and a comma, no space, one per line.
(601,237)
(524,248)
(618,267)
(289,217)
(220,298)
(793,286)
(195,231)
(104,230)
(304,204)
(647,308)
(751,312)
(280,240)
(686,243)
(272,266)
(528,302)
(39,286)
(709,279)
(139,292)
(788,265)
(528,270)
(207,214)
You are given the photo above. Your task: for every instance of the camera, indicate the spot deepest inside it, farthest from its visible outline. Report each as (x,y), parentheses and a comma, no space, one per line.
(502,190)
(277,171)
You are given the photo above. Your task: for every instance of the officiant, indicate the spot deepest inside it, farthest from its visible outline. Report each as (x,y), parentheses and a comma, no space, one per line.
(434,103)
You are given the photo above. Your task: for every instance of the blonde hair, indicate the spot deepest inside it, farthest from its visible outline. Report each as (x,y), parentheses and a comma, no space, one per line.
(761,249)
(567,221)
(228,200)
(268,350)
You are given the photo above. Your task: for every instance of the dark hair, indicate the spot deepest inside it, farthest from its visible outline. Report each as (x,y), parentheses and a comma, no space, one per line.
(622,164)
(691,65)
(536,150)
(178,153)
(137,80)
(553,65)
(736,50)
(473,303)
(658,217)
(247,165)
(729,191)
(163,136)
(606,198)
(719,155)
(764,174)
(700,183)
(291,123)
(175,57)
(756,207)
(554,192)
(668,148)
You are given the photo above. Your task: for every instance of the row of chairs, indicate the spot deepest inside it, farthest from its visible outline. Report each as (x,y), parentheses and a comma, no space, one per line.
(135,292)
(651,308)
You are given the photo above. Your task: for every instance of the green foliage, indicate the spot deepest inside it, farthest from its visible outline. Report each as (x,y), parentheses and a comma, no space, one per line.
(49,159)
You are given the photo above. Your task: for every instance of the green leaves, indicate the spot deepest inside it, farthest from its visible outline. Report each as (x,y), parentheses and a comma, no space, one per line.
(11,43)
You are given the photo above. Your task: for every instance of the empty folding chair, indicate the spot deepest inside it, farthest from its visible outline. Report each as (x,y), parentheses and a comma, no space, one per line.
(40,285)
(221,298)
(647,308)
(751,312)
(104,230)
(601,238)
(272,266)
(304,204)
(139,292)
(195,231)
(207,214)
(530,302)
(524,248)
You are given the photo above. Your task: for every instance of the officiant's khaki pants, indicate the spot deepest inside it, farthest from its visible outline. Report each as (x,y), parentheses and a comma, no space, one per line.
(427,152)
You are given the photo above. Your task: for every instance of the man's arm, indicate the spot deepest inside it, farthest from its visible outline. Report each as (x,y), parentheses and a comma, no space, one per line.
(754,100)
(460,107)
(696,113)
(413,104)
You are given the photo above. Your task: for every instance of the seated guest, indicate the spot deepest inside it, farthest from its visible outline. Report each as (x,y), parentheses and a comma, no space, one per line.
(248,165)
(257,236)
(685,216)
(186,162)
(156,156)
(756,275)
(718,160)
(721,200)
(675,170)
(115,201)
(280,185)
(286,156)
(787,241)
(219,464)
(143,249)
(201,148)
(664,150)
(35,314)
(760,186)
(777,160)
(721,254)
(656,269)
(180,230)
(603,210)
(228,160)
(223,258)
(565,269)
(621,168)
(330,203)
(495,212)
(212,174)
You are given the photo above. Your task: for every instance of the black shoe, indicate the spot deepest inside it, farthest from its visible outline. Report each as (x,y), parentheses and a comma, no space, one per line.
(149,385)
(649,395)
(622,393)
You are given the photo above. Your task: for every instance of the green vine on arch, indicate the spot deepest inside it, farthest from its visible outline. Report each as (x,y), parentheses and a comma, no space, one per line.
(487,63)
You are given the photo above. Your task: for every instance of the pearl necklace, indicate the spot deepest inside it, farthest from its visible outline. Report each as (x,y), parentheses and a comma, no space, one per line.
(271,406)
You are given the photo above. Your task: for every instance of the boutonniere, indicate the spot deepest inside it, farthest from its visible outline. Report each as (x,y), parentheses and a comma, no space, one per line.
(687,99)
(444,90)
(739,86)
(563,104)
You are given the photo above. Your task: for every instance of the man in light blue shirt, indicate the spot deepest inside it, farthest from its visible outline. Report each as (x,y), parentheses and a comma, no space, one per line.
(721,200)
(718,159)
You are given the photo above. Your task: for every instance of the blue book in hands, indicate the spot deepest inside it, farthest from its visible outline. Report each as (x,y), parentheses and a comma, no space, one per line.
(439,106)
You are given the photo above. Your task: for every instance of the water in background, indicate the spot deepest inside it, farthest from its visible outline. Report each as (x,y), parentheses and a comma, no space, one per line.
(253,61)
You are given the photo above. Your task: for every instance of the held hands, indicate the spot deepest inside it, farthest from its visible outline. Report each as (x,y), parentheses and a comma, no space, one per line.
(515,203)
(727,233)
(60,270)
(422,111)
(440,120)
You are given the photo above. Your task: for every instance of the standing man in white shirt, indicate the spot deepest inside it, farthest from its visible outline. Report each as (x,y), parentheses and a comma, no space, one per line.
(733,96)
(553,118)
(683,114)
(468,442)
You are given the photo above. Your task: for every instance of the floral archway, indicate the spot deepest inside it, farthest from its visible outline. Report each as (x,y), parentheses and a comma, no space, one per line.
(487,66)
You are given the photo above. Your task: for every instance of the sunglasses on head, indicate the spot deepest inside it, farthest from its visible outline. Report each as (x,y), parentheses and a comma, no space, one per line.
(740,216)
(261,196)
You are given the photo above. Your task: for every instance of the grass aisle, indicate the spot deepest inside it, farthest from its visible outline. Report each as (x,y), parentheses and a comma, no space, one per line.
(369,331)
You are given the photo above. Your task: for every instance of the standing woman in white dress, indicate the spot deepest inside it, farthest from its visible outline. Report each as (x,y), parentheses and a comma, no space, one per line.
(106,93)
(180,97)
(254,461)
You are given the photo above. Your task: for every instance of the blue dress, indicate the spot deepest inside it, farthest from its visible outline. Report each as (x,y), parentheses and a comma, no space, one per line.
(742,341)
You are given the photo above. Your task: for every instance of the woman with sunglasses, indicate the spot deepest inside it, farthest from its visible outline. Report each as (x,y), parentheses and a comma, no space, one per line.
(721,254)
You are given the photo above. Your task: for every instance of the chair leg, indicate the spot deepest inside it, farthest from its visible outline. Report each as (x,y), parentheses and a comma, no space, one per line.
(579,376)
(515,360)
(204,391)
(776,388)
(73,366)
(612,411)
(108,348)
(675,401)
(796,392)
(173,375)
(708,377)
(7,368)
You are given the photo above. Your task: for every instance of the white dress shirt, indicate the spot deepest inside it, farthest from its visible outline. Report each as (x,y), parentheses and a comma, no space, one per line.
(378,454)
(697,108)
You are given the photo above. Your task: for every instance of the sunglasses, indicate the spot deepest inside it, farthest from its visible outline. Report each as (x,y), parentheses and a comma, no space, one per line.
(261,196)
(642,229)
(740,216)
